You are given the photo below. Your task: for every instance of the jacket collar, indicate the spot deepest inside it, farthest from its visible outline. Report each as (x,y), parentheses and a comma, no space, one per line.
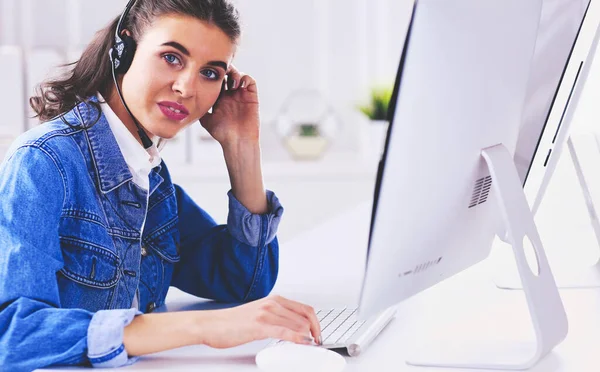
(110,166)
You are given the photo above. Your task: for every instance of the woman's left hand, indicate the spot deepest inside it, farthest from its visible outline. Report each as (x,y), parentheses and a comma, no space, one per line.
(235,116)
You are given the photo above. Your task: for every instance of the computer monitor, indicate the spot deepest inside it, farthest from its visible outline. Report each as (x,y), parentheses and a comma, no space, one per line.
(559,55)
(447,179)
(567,42)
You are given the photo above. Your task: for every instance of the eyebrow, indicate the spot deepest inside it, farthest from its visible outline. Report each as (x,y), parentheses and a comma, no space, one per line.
(186,52)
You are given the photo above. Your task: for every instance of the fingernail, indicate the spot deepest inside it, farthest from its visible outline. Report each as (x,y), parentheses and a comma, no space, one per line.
(234,82)
(320,340)
(243,83)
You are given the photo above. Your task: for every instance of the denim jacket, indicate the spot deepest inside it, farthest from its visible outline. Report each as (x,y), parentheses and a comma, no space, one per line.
(73,256)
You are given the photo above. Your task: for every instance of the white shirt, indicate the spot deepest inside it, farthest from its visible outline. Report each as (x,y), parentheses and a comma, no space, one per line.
(139,160)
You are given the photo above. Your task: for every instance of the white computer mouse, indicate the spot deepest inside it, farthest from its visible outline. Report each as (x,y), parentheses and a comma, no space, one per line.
(289,357)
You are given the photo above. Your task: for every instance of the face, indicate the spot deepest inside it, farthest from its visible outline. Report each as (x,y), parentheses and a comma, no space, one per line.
(176,74)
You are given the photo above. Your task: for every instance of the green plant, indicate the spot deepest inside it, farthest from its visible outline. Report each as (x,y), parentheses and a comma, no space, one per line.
(308,130)
(377,108)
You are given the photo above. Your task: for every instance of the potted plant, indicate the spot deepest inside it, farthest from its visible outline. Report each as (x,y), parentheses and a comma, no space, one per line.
(306,143)
(376,111)
(377,108)
(305,123)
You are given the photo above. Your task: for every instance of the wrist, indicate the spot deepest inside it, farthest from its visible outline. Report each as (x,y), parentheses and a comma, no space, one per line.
(243,160)
(151,333)
(197,326)
(240,145)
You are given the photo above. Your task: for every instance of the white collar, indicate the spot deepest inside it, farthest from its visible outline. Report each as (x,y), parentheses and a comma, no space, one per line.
(139,160)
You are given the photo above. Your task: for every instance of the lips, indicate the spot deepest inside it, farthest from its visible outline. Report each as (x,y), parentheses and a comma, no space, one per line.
(173,110)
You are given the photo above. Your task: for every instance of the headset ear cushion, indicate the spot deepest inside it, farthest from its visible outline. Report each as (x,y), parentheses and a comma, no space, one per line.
(127,53)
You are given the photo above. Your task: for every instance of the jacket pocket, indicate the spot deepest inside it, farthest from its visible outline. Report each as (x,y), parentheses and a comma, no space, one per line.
(89,264)
(89,277)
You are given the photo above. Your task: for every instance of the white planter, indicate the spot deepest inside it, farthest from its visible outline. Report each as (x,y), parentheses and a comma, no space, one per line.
(306,147)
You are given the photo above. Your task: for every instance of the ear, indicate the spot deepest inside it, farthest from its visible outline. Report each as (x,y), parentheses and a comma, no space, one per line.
(126,32)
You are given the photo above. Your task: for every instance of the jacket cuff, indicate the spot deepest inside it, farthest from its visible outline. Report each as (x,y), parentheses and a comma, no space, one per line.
(105,338)
(248,227)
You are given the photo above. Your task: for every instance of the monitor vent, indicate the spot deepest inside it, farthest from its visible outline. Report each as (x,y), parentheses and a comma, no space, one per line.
(481,191)
(421,268)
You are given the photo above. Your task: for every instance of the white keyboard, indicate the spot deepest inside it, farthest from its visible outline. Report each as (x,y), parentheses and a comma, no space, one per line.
(340,328)
(338,325)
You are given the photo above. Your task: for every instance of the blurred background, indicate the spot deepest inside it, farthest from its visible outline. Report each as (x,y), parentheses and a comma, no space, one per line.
(315,62)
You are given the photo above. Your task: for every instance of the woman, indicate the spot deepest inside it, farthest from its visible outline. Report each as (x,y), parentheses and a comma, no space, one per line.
(94,232)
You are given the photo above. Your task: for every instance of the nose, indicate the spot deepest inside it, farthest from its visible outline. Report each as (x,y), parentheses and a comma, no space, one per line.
(184,85)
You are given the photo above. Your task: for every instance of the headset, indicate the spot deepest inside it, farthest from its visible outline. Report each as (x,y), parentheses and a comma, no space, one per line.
(121,56)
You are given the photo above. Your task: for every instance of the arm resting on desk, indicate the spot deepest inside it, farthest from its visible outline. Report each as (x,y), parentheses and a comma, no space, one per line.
(230,263)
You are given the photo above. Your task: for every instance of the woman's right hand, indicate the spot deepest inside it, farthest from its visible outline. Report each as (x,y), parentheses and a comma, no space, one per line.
(271,317)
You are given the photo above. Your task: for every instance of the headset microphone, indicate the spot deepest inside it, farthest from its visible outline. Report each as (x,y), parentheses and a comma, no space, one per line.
(121,56)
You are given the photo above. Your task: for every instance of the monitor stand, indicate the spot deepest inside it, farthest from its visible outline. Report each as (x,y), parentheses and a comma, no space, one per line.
(585,154)
(543,300)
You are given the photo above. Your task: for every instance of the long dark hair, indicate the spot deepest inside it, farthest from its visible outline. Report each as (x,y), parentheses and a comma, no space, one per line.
(92,72)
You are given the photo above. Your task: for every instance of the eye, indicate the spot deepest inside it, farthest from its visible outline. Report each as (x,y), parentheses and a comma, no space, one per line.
(211,74)
(171,59)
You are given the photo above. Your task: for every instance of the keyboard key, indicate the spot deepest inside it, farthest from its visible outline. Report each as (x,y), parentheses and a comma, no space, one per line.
(321,314)
(330,318)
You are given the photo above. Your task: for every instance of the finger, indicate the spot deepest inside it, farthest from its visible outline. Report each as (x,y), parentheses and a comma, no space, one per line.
(232,70)
(252,87)
(234,78)
(247,81)
(225,83)
(292,320)
(230,82)
(249,84)
(268,319)
(306,311)
(286,334)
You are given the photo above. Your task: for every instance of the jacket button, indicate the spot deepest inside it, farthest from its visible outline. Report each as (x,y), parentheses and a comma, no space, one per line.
(144,252)
(151,307)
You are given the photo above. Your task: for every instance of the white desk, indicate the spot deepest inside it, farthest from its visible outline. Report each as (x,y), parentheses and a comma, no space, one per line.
(467,306)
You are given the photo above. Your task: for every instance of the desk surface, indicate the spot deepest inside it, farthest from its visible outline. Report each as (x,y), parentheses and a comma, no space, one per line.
(324,268)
